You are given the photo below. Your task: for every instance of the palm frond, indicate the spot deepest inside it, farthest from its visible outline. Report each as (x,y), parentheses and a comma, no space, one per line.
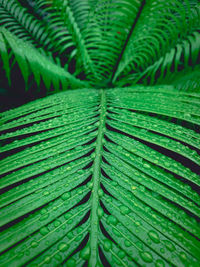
(174,63)
(30,61)
(84,179)
(108,28)
(57,31)
(17,20)
(161,26)
(188,81)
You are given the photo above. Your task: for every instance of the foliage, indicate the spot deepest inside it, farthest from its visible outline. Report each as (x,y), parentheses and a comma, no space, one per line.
(106,172)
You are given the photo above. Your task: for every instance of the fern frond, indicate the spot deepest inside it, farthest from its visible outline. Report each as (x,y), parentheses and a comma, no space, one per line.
(188,80)
(161,27)
(79,52)
(59,34)
(16,19)
(107,31)
(84,179)
(30,61)
(181,57)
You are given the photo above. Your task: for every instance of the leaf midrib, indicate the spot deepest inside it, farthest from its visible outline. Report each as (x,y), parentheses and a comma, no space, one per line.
(96,182)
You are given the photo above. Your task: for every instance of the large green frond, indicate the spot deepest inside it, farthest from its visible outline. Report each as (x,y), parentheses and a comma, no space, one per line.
(97,177)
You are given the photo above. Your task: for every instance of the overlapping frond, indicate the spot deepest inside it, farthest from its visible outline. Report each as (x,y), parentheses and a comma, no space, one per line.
(25,26)
(188,81)
(164,32)
(183,56)
(31,61)
(108,29)
(84,179)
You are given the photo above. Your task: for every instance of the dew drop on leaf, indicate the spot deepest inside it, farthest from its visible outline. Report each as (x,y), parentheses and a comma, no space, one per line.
(34,244)
(70,235)
(44,217)
(183,256)
(154,236)
(127,243)
(85,253)
(169,245)
(112,220)
(146,256)
(124,210)
(115,259)
(66,196)
(121,254)
(58,257)
(107,245)
(47,259)
(100,193)
(159,263)
(62,246)
(57,223)
(100,212)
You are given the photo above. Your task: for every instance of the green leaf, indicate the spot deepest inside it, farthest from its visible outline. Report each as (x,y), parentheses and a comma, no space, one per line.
(30,61)
(108,174)
(161,27)
(97,177)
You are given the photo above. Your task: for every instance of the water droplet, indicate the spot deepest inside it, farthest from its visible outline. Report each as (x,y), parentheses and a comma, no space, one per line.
(90,185)
(137,223)
(154,236)
(43,211)
(100,193)
(183,256)
(70,235)
(117,233)
(112,220)
(100,212)
(159,263)
(85,253)
(45,193)
(116,260)
(62,246)
(127,243)
(107,245)
(57,223)
(34,244)
(20,255)
(187,116)
(124,210)
(162,250)
(44,217)
(146,256)
(47,259)
(121,254)
(146,165)
(78,238)
(66,196)
(169,245)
